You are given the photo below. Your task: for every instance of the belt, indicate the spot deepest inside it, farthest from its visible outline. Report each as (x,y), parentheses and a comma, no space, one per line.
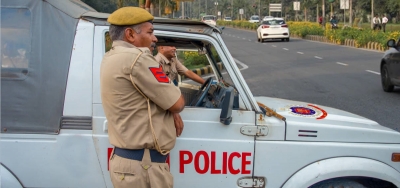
(137,154)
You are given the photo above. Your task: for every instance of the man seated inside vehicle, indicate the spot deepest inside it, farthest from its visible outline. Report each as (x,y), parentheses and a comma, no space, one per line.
(172,66)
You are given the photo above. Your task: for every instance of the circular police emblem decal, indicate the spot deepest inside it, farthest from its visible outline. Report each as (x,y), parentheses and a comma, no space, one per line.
(310,111)
(302,111)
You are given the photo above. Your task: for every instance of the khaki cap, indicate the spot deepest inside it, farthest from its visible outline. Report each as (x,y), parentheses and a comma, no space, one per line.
(129,16)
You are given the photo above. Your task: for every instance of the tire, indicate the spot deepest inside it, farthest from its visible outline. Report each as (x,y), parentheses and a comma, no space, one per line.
(283,40)
(338,183)
(258,38)
(387,86)
(288,39)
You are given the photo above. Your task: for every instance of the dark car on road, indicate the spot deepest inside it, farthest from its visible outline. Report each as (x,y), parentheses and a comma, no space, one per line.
(390,66)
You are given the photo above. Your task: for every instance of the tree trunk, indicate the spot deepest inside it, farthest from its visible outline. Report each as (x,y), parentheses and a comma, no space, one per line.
(147,5)
(351,14)
(120,3)
(305,14)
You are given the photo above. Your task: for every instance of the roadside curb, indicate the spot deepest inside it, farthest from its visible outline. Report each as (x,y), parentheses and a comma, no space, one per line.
(206,70)
(347,42)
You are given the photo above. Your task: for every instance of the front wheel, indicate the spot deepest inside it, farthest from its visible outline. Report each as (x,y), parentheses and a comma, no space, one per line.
(387,86)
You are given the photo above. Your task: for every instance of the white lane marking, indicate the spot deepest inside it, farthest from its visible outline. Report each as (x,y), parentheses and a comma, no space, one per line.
(244,38)
(273,46)
(249,40)
(318,57)
(264,43)
(238,37)
(344,64)
(373,72)
(244,66)
(285,48)
(300,52)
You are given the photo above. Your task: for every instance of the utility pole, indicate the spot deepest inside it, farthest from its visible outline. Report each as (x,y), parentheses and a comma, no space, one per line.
(323,10)
(183,10)
(232,9)
(372,13)
(317,12)
(206,8)
(351,14)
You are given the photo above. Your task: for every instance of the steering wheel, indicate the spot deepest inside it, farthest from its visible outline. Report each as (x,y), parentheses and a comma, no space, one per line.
(201,94)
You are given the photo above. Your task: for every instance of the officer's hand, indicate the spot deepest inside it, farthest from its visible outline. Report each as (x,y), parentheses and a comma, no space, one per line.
(178,124)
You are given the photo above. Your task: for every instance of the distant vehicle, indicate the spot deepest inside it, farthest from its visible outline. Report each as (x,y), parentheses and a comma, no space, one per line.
(228,19)
(187,18)
(273,28)
(267,17)
(209,19)
(390,67)
(254,19)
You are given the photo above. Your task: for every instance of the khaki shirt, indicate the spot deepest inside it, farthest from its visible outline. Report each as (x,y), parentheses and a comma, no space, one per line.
(171,68)
(126,109)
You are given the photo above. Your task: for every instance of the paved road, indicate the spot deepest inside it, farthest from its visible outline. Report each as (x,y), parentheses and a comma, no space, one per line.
(332,75)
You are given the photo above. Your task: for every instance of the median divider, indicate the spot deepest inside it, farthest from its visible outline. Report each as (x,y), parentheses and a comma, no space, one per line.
(347,42)
(206,70)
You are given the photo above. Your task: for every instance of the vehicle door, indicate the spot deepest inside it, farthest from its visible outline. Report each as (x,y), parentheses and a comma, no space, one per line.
(395,64)
(210,153)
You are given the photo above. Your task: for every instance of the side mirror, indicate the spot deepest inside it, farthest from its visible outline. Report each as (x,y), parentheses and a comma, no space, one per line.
(226,107)
(391,43)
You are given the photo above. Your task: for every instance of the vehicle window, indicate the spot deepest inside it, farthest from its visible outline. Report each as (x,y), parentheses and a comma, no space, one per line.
(208,18)
(15,42)
(254,18)
(107,41)
(273,22)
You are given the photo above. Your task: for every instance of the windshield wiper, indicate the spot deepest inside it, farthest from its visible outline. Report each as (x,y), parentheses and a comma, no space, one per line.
(269,112)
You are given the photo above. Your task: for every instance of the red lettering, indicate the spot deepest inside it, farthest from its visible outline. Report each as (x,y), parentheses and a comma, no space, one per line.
(109,150)
(167,161)
(197,162)
(184,161)
(206,162)
(224,162)
(213,164)
(230,163)
(245,162)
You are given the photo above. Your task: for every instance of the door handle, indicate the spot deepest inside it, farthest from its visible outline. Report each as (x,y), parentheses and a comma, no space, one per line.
(105,126)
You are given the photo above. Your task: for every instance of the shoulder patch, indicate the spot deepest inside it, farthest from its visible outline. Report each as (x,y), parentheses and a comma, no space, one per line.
(159,74)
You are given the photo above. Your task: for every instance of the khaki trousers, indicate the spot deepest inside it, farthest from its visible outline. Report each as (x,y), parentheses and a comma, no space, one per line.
(127,173)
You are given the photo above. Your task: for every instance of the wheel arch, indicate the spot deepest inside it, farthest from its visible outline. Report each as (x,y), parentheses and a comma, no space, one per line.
(9,179)
(382,63)
(342,167)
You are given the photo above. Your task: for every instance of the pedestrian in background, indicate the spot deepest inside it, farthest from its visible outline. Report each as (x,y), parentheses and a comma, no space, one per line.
(140,102)
(376,21)
(384,22)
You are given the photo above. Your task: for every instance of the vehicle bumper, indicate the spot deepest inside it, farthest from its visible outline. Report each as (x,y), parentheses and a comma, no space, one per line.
(274,36)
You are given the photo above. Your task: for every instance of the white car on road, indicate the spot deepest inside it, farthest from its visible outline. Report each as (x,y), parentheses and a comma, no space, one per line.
(209,19)
(254,19)
(273,28)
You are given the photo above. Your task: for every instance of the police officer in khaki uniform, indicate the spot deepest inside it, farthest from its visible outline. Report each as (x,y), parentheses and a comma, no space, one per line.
(166,56)
(140,103)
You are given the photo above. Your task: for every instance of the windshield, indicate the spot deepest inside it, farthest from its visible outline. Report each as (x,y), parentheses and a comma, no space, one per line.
(254,18)
(208,18)
(273,22)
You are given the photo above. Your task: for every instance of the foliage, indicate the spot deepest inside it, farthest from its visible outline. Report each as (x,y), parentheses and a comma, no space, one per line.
(192,59)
